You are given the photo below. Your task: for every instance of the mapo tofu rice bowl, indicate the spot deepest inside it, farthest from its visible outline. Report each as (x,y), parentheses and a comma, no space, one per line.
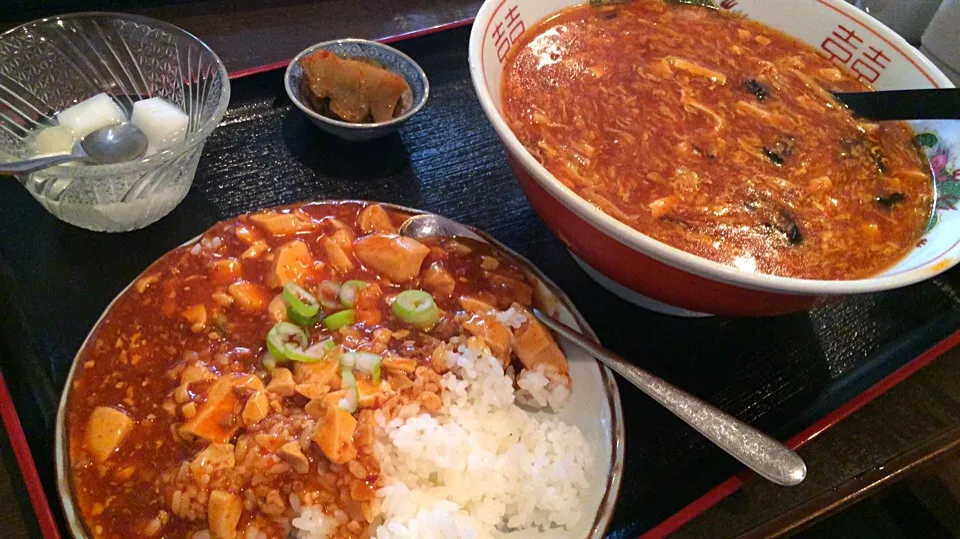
(307,372)
(696,158)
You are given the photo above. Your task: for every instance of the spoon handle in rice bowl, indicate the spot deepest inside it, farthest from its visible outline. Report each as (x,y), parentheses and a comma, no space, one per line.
(759,452)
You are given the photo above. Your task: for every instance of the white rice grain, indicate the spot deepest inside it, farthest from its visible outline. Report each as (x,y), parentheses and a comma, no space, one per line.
(312,523)
(536,390)
(511,318)
(483,464)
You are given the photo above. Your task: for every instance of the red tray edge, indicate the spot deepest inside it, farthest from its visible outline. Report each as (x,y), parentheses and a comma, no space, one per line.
(48,524)
(28,468)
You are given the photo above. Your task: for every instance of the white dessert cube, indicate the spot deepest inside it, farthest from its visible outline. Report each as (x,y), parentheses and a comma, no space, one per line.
(164,123)
(91,114)
(53,140)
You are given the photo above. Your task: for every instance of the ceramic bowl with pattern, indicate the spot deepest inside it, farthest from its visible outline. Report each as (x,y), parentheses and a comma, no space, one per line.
(662,278)
(387,57)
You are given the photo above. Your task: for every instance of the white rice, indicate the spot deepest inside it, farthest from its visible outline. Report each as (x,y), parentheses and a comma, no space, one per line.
(483,465)
(536,390)
(313,523)
(208,244)
(511,318)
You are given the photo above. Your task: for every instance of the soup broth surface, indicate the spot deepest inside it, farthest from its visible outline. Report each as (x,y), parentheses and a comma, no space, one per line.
(719,136)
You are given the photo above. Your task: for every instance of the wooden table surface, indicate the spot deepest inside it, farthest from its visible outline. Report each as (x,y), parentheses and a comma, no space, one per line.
(905,427)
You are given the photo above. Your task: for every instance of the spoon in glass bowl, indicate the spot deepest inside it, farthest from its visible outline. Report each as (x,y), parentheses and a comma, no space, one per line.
(761,453)
(105,146)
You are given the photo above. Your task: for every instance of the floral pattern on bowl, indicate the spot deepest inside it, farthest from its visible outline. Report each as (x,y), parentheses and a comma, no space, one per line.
(946,172)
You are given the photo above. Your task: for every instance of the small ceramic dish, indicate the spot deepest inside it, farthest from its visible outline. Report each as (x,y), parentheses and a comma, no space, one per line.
(388,57)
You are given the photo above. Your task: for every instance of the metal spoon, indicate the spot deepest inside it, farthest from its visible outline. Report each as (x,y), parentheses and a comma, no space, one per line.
(761,453)
(105,146)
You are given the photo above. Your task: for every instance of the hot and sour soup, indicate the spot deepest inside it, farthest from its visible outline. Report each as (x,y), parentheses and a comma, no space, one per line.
(717,135)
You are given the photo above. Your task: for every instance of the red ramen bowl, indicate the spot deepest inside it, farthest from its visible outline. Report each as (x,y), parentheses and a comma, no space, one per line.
(657,276)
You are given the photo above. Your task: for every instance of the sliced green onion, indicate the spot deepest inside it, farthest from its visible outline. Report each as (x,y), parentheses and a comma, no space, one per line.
(351,401)
(300,301)
(416,307)
(364,362)
(314,353)
(329,295)
(283,335)
(340,319)
(269,362)
(348,292)
(376,374)
(327,344)
(299,320)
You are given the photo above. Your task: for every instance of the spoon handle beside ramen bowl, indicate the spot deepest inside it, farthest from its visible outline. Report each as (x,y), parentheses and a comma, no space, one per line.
(764,455)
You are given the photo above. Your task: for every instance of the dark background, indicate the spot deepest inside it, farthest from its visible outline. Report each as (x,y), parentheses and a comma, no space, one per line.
(25,10)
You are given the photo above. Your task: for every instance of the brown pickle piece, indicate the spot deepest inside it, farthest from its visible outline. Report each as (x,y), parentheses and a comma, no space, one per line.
(357,92)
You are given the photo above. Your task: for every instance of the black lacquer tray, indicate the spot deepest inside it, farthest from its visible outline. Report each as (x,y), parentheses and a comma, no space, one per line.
(791,376)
